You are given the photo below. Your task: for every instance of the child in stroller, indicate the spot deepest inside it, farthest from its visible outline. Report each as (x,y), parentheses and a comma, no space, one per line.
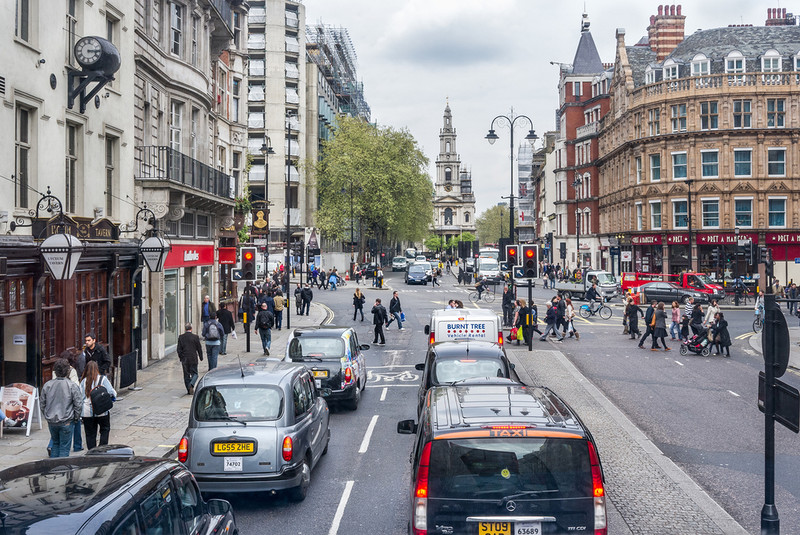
(697,343)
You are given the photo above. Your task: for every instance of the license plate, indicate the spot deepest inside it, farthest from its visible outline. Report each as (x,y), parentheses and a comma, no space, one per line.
(320,373)
(508,528)
(527,528)
(234,447)
(233,464)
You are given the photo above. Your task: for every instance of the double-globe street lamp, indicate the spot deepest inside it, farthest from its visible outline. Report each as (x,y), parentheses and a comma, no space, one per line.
(492,137)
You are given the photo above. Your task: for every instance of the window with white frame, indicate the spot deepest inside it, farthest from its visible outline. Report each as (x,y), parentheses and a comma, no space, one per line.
(776,161)
(796,63)
(638,169)
(743,162)
(710,163)
(655,167)
(776,115)
(649,75)
(175,125)
(777,212)
(678,165)
(771,62)
(24,20)
(176,28)
(639,222)
(670,71)
(23,151)
(743,212)
(700,65)
(112,177)
(710,210)
(741,113)
(72,168)
(655,215)
(195,36)
(576,89)
(680,213)
(734,64)
(677,113)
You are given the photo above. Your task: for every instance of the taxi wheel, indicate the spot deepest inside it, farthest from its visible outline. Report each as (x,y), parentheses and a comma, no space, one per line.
(328,443)
(353,404)
(298,494)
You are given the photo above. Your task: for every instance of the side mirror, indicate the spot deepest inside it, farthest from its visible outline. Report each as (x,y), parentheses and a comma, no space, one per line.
(407,427)
(325,392)
(419,367)
(363,347)
(427,329)
(218,507)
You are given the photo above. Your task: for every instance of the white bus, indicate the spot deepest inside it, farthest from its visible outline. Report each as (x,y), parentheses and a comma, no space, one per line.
(489,252)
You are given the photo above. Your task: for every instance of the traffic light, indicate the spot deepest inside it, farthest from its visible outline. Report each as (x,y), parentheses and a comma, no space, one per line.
(512,255)
(765,257)
(715,255)
(530,261)
(248,263)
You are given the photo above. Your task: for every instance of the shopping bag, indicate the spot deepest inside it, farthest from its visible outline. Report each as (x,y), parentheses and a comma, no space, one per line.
(513,334)
(402,316)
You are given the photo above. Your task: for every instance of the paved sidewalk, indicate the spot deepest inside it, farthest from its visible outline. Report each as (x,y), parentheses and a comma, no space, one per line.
(152,420)
(794,343)
(646,490)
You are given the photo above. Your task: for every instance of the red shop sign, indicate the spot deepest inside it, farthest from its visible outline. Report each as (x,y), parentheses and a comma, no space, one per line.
(227,255)
(783,238)
(189,255)
(678,239)
(724,239)
(646,239)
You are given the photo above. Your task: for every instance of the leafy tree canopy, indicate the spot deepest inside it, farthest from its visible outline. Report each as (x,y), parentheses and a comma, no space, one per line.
(492,224)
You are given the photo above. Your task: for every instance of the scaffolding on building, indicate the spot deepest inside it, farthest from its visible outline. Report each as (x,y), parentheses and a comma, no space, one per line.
(331,49)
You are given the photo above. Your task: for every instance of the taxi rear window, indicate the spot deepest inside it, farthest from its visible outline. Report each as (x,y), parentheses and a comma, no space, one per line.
(491,468)
(449,370)
(236,402)
(315,348)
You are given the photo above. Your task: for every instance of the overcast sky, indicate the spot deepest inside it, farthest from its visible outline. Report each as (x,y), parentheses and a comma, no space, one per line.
(487,57)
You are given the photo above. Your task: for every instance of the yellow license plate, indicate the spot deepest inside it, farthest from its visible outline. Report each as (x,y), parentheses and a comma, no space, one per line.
(320,373)
(494,528)
(234,447)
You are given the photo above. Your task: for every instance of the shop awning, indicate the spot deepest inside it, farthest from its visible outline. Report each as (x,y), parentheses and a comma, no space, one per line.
(227,255)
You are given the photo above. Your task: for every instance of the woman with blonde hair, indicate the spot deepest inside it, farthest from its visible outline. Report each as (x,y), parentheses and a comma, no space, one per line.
(93,422)
(358,304)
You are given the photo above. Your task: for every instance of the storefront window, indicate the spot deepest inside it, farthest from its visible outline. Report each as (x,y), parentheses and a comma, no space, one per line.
(710,213)
(679,165)
(171,307)
(205,280)
(680,214)
(743,209)
(710,164)
(777,212)
(776,162)
(743,162)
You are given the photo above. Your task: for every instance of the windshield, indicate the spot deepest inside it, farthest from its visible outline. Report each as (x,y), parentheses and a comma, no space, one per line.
(447,371)
(238,402)
(425,265)
(705,279)
(489,264)
(490,468)
(605,278)
(416,269)
(315,348)
(399,259)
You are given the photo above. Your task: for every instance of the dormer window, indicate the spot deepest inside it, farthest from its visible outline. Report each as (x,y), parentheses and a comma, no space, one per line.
(734,63)
(649,76)
(670,72)
(771,61)
(701,66)
(796,62)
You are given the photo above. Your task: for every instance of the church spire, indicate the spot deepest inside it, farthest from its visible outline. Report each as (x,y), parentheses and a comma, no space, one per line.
(587,60)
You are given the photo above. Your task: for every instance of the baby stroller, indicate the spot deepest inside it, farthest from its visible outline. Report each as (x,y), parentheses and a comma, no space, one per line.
(697,343)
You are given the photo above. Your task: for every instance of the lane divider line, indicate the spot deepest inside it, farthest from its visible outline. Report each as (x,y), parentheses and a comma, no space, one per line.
(383,394)
(679,363)
(731,392)
(337,518)
(368,435)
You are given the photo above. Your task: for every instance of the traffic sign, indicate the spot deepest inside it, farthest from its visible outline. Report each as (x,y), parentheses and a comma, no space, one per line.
(787,402)
(775,342)
(236,274)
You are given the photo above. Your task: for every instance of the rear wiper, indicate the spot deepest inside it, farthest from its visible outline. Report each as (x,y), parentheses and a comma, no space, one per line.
(523,493)
(232,419)
(307,357)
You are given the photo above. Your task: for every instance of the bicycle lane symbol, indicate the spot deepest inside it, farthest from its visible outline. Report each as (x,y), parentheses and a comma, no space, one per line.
(391,377)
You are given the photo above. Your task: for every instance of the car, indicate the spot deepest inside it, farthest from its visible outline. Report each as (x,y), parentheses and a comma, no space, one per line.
(502,459)
(453,362)
(490,268)
(370,270)
(669,292)
(399,263)
(416,274)
(335,358)
(254,428)
(113,494)
(421,258)
(427,267)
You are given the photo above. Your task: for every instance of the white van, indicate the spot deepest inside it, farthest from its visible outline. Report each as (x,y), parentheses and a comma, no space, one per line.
(464,324)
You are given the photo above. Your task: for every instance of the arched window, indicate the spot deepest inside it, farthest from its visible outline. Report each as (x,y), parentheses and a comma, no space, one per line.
(734,63)
(447,147)
(700,65)
(586,221)
(448,174)
(448,216)
(670,70)
(466,217)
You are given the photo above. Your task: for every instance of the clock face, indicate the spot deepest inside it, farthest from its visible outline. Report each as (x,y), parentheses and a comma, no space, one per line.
(448,187)
(88,51)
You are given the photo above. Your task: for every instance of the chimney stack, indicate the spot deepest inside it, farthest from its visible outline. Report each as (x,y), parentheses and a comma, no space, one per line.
(779,17)
(666,30)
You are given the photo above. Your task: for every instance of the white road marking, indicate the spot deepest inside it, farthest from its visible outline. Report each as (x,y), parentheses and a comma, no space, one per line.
(337,518)
(731,392)
(395,366)
(383,394)
(368,435)
(679,363)
(382,386)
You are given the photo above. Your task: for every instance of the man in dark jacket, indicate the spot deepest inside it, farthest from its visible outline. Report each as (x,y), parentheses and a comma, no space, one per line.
(379,317)
(206,308)
(189,351)
(247,304)
(551,319)
(648,321)
(306,295)
(264,323)
(395,309)
(225,318)
(561,315)
(97,353)
(508,306)
(298,299)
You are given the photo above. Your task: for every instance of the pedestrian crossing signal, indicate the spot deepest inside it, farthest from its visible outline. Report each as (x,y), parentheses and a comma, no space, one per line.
(530,261)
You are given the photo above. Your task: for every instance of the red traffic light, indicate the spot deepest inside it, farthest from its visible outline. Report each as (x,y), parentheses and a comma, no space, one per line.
(248,255)
(512,252)
(529,253)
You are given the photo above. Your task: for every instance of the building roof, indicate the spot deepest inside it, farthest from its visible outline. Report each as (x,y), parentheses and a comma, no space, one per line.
(587,59)
(751,41)
(639,57)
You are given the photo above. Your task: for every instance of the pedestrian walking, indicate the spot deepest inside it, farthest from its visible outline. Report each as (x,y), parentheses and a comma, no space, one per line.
(660,328)
(650,323)
(508,306)
(212,334)
(711,313)
(633,313)
(206,309)
(74,376)
(436,273)
(280,304)
(791,293)
(521,322)
(61,401)
(561,312)
(190,352)
(94,421)
(306,295)
(570,317)
(720,335)
(298,299)
(358,304)
(247,306)
(688,307)
(675,327)
(379,318)
(94,351)
(264,323)
(333,279)
(225,318)
(395,311)
(551,319)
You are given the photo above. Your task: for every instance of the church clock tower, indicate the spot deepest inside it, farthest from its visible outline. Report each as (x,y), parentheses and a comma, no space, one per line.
(447,164)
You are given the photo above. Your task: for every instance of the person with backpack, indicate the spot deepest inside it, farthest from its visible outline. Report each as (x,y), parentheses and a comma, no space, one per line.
(225,319)
(358,304)
(212,333)
(379,318)
(97,402)
(264,323)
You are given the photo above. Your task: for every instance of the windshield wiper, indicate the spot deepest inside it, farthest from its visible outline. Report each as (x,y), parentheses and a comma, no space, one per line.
(307,357)
(231,419)
(523,493)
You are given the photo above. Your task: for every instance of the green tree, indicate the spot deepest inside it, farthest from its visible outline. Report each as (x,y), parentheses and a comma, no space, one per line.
(492,224)
(435,243)
(384,168)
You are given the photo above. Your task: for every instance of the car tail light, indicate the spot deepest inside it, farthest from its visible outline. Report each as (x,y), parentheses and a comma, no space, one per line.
(348,375)
(500,338)
(420,520)
(600,523)
(287,449)
(183,450)
(432,338)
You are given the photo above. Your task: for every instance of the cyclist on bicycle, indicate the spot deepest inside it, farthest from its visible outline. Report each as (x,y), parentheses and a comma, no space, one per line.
(759,308)
(593,297)
(481,286)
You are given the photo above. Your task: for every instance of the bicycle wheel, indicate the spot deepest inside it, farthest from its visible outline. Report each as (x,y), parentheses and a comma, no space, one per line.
(488,297)
(585,312)
(757,325)
(473,297)
(605,312)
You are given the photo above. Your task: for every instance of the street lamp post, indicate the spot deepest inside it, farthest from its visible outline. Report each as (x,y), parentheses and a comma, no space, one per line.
(266,150)
(735,269)
(288,216)
(692,261)
(577,184)
(352,227)
(492,137)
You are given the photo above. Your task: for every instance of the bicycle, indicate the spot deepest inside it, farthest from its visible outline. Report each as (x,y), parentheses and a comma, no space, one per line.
(758,323)
(604,311)
(486,296)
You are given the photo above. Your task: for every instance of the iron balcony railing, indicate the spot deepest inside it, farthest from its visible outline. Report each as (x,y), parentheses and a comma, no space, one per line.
(165,163)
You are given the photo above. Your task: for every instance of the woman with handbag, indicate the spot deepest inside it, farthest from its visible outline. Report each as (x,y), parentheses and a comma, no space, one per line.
(358,303)
(659,328)
(92,385)
(570,316)
(722,338)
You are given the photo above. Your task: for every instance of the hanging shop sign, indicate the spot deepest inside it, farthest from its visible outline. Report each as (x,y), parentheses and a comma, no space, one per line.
(646,239)
(724,239)
(83,228)
(189,255)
